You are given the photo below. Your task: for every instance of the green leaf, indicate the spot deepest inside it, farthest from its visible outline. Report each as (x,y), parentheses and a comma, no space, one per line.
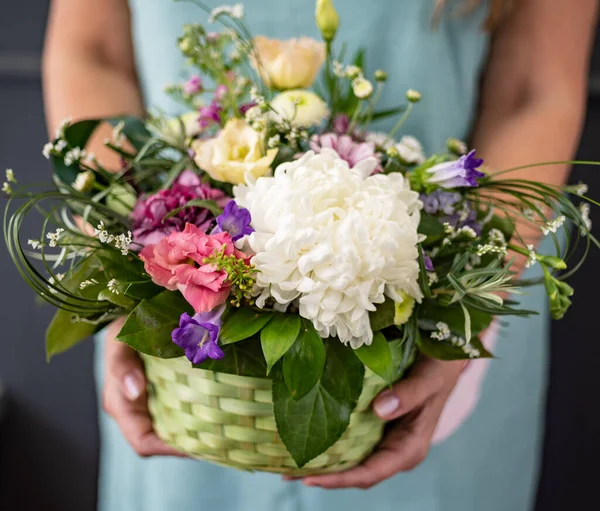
(403,356)
(278,337)
(120,300)
(443,350)
(309,426)
(128,272)
(430,313)
(243,358)
(242,324)
(211,205)
(63,333)
(383,316)
(134,130)
(149,326)
(432,228)
(79,133)
(378,358)
(304,362)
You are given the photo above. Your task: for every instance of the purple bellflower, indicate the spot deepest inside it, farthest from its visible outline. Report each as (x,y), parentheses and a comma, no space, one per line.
(235,221)
(198,335)
(457,173)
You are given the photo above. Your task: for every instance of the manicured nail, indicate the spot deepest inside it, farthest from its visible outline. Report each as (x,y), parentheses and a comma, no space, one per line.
(386,404)
(132,387)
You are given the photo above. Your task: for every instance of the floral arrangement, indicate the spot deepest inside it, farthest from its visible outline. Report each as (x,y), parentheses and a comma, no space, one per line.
(270,233)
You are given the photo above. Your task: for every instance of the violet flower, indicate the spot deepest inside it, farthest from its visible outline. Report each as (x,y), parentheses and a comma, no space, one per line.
(199,335)
(149,222)
(346,147)
(235,221)
(440,202)
(210,114)
(428,263)
(193,85)
(457,173)
(246,106)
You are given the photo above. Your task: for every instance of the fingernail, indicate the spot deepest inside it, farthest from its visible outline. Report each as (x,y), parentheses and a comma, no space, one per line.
(386,405)
(132,387)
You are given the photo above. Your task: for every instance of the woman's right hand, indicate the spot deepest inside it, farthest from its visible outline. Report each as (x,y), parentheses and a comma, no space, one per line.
(124,396)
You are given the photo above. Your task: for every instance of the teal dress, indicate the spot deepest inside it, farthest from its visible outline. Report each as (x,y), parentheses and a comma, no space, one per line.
(491,462)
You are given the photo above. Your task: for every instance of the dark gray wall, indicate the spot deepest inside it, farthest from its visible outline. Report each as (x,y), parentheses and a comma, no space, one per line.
(48,443)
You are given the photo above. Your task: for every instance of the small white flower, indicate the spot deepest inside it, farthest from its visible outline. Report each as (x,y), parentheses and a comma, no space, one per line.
(466,231)
(496,237)
(532,257)
(442,333)
(584,209)
(471,351)
(123,242)
(353,72)
(84,181)
(6,188)
(113,286)
(578,189)
(362,88)
(35,244)
(553,225)
(60,276)
(338,68)
(117,134)
(233,11)
(60,145)
(490,249)
(274,141)
(87,283)
(411,150)
(529,214)
(65,123)
(433,277)
(448,229)
(47,150)
(413,96)
(10,176)
(457,146)
(457,341)
(53,237)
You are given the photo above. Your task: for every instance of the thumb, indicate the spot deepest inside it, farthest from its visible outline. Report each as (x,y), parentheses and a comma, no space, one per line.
(123,365)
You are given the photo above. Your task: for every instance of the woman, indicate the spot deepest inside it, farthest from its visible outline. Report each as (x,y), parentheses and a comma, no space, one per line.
(529,108)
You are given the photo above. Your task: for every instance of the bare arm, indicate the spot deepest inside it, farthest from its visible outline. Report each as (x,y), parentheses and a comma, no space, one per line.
(532,107)
(88,65)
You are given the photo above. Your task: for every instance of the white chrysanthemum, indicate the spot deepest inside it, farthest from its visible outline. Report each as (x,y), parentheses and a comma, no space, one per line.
(337,240)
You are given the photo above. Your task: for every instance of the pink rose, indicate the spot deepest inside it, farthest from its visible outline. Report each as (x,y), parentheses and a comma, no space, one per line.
(177,263)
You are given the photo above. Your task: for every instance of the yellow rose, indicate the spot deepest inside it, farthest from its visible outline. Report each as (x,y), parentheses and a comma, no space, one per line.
(235,152)
(291,64)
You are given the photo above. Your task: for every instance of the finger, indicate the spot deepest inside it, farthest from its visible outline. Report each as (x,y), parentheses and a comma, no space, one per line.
(428,378)
(136,426)
(124,365)
(402,450)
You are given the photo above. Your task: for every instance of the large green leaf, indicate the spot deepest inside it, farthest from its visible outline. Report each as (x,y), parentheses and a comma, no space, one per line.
(278,336)
(443,350)
(304,362)
(309,426)
(243,358)
(149,326)
(383,316)
(128,272)
(63,333)
(134,130)
(243,324)
(378,358)
(432,228)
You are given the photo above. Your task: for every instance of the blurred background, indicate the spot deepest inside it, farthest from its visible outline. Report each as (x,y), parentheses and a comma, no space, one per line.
(48,433)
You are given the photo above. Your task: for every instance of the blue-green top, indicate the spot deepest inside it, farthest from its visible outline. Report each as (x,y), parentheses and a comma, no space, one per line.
(442,62)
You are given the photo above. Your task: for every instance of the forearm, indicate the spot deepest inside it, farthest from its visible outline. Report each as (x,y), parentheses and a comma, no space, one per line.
(89,69)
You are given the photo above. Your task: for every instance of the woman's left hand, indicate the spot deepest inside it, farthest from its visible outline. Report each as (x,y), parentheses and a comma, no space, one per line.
(415,405)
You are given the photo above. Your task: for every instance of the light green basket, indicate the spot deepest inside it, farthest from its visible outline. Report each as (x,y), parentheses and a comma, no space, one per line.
(228,419)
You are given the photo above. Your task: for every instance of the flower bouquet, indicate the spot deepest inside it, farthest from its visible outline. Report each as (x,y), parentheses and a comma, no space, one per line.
(280,263)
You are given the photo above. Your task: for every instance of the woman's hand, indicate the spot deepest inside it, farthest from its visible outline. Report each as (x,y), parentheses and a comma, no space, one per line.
(124,396)
(415,405)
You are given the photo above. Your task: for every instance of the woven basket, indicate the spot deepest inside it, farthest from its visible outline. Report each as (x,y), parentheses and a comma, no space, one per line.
(228,419)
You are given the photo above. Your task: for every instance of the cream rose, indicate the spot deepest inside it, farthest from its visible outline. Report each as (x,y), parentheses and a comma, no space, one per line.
(291,64)
(235,152)
(301,108)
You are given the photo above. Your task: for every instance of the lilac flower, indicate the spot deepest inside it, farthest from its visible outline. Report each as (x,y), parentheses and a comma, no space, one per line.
(458,173)
(440,201)
(348,149)
(246,106)
(210,114)
(198,335)
(235,221)
(341,123)
(428,263)
(193,85)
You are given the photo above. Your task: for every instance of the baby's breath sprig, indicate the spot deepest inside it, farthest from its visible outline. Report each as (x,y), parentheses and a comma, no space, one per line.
(240,275)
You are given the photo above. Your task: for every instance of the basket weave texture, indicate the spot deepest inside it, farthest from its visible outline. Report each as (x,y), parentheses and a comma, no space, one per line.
(228,420)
